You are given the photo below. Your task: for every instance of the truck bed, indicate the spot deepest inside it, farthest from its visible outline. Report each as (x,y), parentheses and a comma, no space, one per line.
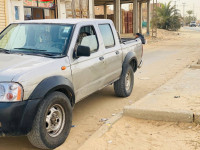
(127,40)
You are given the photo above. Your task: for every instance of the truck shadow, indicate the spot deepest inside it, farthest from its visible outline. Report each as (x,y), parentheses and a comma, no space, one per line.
(15,143)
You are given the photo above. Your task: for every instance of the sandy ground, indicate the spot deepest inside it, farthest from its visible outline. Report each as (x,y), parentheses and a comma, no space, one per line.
(135,134)
(162,61)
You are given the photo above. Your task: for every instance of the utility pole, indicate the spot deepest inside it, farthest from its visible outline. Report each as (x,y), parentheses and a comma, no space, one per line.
(184,10)
(154,17)
(184,13)
(175,7)
(175,4)
(193,11)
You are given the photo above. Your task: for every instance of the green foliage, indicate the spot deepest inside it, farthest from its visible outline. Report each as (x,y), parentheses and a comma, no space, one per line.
(190,12)
(189,18)
(168,17)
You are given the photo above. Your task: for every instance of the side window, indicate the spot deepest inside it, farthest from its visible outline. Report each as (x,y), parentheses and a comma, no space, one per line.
(107,35)
(87,37)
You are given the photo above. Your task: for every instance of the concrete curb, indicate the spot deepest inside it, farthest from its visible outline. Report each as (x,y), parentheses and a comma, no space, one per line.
(167,115)
(195,66)
(103,129)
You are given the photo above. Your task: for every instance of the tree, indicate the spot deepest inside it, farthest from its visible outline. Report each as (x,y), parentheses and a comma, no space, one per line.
(190,12)
(189,18)
(168,17)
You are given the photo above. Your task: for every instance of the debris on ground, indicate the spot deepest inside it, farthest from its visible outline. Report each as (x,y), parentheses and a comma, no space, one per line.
(176,96)
(190,127)
(103,119)
(130,102)
(110,141)
(144,78)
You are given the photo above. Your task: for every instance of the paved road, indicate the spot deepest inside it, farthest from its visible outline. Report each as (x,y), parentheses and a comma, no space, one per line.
(162,61)
(193,28)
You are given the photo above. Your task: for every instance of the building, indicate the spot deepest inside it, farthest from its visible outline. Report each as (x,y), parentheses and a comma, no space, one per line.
(128,15)
(19,10)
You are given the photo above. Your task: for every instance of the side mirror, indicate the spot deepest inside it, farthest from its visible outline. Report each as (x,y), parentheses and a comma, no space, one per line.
(83,51)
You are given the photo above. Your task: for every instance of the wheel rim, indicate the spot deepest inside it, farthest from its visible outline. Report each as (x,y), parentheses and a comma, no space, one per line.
(55,120)
(128,80)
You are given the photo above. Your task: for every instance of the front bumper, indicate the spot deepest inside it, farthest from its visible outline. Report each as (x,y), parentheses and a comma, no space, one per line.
(17,118)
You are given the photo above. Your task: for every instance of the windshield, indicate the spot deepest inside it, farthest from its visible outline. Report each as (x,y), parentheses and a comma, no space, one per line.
(47,39)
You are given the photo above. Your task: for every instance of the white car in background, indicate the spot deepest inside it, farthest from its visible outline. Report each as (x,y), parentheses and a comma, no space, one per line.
(193,24)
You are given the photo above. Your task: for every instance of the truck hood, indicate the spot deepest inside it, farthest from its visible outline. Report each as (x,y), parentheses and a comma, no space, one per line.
(13,64)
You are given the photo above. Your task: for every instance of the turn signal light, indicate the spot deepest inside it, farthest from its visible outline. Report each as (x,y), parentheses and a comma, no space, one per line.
(63,68)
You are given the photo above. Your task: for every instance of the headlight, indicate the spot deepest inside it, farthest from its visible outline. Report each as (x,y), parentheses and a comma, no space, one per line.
(11,92)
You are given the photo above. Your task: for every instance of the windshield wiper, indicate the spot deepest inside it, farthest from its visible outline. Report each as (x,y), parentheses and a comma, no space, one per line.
(32,49)
(48,54)
(4,51)
(40,52)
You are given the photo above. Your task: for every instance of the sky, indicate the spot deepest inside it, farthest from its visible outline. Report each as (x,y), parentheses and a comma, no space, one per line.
(189,5)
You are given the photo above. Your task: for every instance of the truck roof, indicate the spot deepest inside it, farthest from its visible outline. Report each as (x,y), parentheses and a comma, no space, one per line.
(67,21)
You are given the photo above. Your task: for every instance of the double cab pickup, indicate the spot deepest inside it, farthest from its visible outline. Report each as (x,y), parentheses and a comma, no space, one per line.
(47,66)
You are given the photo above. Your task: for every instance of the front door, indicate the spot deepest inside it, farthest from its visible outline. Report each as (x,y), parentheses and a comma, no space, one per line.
(87,71)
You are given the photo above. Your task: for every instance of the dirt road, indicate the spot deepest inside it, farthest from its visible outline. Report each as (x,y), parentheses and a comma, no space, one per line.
(135,134)
(162,61)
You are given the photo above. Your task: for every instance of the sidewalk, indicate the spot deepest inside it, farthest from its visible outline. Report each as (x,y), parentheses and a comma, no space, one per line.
(178,100)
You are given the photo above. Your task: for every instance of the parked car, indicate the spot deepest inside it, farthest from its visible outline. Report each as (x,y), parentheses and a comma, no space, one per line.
(47,66)
(193,24)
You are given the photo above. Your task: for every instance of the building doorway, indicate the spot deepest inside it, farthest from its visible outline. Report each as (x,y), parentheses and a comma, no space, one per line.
(40,9)
(38,13)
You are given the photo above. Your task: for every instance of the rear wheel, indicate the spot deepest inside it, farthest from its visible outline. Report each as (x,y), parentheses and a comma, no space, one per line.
(124,86)
(52,123)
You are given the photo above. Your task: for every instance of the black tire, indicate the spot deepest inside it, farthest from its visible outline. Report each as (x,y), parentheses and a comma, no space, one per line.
(55,103)
(120,85)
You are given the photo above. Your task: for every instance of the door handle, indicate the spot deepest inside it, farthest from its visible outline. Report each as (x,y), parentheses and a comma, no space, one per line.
(117,52)
(101,58)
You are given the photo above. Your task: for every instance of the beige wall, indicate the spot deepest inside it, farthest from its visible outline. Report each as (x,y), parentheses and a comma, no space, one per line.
(2,15)
(99,10)
(79,9)
(73,8)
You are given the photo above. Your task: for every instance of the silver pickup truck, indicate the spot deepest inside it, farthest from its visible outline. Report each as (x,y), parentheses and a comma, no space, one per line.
(46,66)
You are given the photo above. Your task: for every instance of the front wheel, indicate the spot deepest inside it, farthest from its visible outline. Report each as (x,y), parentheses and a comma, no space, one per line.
(52,123)
(124,86)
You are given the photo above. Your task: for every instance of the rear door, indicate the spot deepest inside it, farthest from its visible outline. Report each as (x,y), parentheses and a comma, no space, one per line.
(112,53)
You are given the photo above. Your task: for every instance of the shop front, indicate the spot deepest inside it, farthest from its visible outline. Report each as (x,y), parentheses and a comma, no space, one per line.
(40,9)
(20,10)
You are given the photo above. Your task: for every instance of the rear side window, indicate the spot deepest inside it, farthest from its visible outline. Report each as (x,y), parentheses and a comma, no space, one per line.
(107,35)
